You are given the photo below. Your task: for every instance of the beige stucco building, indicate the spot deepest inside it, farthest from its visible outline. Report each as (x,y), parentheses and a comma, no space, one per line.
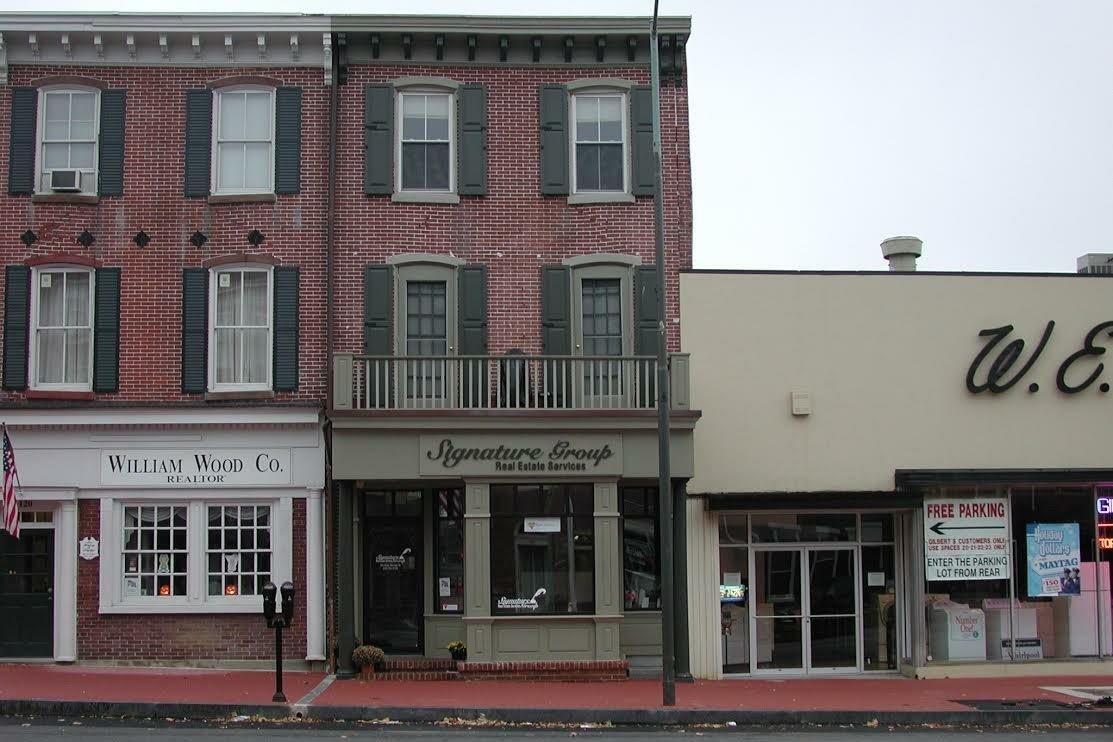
(875,455)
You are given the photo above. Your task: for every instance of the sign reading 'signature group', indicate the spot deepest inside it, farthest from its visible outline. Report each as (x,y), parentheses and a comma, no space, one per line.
(236,467)
(478,455)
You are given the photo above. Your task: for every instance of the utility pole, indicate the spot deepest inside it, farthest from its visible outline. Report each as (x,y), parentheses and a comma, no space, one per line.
(664,480)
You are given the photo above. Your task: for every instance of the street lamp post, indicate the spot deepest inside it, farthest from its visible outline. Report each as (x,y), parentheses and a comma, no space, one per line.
(664,481)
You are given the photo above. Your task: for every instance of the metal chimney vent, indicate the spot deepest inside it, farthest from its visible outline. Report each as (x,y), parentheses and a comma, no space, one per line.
(1096,262)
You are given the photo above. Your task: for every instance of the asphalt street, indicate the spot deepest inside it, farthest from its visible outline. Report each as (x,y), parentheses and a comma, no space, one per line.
(52,730)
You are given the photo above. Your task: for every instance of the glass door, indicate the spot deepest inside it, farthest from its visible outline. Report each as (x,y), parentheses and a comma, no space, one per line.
(805,610)
(778,610)
(832,609)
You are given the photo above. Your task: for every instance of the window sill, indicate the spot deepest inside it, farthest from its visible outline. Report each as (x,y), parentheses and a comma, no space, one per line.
(65,198)
(177,607)
(52,394)
(219,396)
(243,198)
(413,197)
(582,199)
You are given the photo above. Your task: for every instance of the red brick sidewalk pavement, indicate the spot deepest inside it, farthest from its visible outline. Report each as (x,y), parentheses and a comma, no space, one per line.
(194,686)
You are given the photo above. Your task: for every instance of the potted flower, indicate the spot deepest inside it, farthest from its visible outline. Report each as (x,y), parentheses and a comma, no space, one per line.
(458,650)
(369,659)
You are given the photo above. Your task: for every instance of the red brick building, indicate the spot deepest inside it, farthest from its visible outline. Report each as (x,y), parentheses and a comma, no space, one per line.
(436,230)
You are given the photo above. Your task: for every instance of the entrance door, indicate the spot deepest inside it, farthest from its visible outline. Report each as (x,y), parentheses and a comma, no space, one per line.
(27,594)
(805,610)
(392,598)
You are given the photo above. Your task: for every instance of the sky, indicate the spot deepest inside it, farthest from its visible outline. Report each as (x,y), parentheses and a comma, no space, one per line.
(821,127)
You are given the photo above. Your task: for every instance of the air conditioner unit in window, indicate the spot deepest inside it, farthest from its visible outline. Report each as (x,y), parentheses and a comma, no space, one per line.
(65,180)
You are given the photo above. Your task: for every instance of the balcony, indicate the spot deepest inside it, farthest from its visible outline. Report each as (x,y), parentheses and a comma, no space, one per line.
(513,381)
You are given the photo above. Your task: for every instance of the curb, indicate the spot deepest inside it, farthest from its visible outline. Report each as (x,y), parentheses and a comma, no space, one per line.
(618,717)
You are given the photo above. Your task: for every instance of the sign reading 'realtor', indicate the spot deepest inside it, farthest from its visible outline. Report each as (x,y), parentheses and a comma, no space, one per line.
(478,455)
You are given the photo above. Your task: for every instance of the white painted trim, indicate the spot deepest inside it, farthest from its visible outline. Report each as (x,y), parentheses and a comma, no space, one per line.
(282,542)
(444,84)
(161,417)
(65,582)
(314,576)
(109,562)
(450,261)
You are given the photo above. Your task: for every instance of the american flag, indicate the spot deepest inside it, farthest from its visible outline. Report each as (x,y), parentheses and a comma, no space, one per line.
(11,508)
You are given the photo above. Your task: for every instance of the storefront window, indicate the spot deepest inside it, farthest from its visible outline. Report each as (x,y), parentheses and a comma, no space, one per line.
(450,551)
(810,527)
(542,549)
(239,551)
(1050,594)
(155,550)
(641,567)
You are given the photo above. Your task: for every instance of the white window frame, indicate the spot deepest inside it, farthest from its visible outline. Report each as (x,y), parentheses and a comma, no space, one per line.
(90,176)
(624,106)
(218,98)
(213,279)
(452,137)
(196,600)
(33,325)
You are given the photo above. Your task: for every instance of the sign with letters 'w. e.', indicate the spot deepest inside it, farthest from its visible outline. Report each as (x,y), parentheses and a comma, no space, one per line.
(1054,560)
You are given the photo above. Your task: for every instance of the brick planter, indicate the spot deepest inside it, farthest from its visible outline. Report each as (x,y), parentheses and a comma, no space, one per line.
(563,671)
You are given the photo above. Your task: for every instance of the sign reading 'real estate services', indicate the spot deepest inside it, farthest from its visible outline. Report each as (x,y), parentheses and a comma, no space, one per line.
(236,467)
(966,539)
(479,455)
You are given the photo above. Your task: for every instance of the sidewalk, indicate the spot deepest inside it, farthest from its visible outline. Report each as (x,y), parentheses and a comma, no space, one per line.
(194,693)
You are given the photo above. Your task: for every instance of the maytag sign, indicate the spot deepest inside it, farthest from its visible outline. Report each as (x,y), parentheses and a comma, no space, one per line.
(497,455)
(240,467)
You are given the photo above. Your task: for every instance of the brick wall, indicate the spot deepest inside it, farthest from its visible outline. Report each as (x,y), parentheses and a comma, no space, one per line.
(180,636)
(151,291)
(513,230)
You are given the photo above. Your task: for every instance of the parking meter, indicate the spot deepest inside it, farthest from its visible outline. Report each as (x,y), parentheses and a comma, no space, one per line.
(287,603)
(269,592)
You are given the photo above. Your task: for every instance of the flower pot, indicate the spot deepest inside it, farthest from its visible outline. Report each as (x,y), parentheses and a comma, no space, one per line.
(460,656)
(367,672)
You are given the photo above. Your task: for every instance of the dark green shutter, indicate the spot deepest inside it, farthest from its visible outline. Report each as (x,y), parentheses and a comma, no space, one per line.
(110,163)
(554,140)
(556,312)
(195,330)
(21,147)
(645,310)
(473,334)
(378,140)
(641,128)
(198,142)
(287,140)
(286,329)
(106,331)
(378,315)
(378,330)
(645,331)
(473,140)
(556,333)
(17,310)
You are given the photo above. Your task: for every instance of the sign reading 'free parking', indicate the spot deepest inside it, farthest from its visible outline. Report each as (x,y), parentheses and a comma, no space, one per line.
(966,539)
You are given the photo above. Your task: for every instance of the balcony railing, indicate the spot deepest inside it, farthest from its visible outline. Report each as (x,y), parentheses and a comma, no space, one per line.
(506,382)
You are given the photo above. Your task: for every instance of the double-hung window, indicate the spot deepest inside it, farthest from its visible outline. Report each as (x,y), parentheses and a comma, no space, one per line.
(426,147)
(599,131)
(68,129)
(62,329)
(241,328)
(243,144)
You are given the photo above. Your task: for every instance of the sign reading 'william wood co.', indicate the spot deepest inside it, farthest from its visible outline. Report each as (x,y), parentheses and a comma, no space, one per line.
(497,455)
(238,467)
